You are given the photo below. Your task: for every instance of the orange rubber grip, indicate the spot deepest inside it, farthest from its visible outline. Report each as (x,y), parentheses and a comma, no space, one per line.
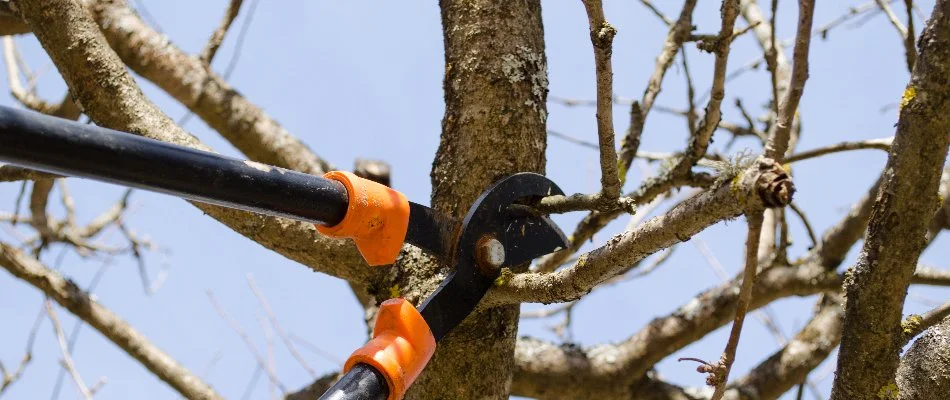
(401,347)
(377,218)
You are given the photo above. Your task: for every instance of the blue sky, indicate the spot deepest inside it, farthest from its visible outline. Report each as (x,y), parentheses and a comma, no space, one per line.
(364,79)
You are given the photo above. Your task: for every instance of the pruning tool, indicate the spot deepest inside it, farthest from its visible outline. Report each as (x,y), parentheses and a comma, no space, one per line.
(497,232)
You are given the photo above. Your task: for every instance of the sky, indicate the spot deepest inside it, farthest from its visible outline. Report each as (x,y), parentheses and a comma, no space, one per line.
(362,79)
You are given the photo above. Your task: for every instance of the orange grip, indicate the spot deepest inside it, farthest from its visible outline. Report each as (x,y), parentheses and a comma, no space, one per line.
(377,218)
(402,345)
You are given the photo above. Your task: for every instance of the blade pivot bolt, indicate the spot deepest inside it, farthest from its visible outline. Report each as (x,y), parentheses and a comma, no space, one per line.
(490,255)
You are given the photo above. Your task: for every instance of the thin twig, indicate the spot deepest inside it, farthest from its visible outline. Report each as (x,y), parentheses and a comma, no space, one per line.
(691,114)
(879,144)
(907,35)
(316,349)
(252,383)
(235,57)
(602,37)
(677,34)
(207,55)
(915,324)
(277,327)
(910,47)
(261,362)
(719,374)
(771,57)
(77,327)
(10,378)
(649,5)
(64,348)
(271,362)
(801,215)
(16,205)
(779,138)
(64,109)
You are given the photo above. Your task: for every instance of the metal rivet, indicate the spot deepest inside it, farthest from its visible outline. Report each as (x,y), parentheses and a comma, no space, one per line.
(490,252)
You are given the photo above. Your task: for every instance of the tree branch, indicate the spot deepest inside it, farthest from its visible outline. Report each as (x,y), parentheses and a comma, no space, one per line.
(602,37)
(207,55)
(677,34)
(931,276)
(753,186)
(78,302)
(242,123)
(83,58)
(923,369)
(880,144)
(779,138)
(64,349)
(791,364)
(907,35)
(66,108)
(877,286)
(719,374)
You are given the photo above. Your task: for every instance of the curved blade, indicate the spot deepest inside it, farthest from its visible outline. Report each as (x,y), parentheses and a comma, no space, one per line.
(525,236)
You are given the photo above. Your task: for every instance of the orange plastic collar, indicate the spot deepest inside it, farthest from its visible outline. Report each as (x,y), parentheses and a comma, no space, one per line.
(402,345)
(376,219)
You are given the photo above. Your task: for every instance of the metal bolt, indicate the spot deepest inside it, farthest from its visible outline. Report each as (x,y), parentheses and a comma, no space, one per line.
(490,253)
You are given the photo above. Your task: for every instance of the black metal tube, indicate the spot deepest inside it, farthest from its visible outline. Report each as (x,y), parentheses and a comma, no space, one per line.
(71,148)
(362,382)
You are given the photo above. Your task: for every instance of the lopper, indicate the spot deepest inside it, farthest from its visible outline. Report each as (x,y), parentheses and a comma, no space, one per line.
(498,231)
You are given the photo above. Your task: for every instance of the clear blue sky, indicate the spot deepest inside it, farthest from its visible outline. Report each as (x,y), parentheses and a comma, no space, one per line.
(364,79)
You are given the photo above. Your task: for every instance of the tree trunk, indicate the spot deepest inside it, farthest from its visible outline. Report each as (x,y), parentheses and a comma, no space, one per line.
(495,99)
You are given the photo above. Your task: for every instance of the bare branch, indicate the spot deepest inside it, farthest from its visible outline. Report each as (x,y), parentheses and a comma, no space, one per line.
(915,324)
(207,55)
(719,375)
(879,144)
(790,365)
(680,223)
(877,286)
(602,37)
(12,173)
(39,219)
(923,369)
(67,359)
(261,362)
(675,37)
(801,215)
(779,138)
(78,302)
(245,125)
(66,108)
(907,35)
(6,377)
(569,372)
(280,330)
(931,276)
(79,51)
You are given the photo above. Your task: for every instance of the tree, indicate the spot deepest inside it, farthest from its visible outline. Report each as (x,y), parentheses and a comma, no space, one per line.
(496,98)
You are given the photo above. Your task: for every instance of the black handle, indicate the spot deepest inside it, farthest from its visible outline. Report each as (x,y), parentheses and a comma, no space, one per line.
(59,146)
(362,382)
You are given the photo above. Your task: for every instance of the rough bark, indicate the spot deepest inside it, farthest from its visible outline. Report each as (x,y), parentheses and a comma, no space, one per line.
(925,369)
(877,285)
(494,125)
